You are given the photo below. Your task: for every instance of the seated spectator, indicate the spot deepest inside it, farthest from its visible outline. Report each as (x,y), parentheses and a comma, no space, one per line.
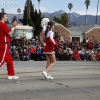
(21,54)
(16,56)
(39,54)
(98,56)
(33,53)
(84,55)
(34,42)
(13,51)
(76,54)
(17,44)
(98,48)
(25,55)
(70,54)
(61,55)
(92,55)
(29,52)
(38,50)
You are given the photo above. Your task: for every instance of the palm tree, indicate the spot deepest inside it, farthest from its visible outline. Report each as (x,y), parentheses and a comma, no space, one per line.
(87,3)
(38,4)
(2,10)
(70,6)
(97,11)
(18,11)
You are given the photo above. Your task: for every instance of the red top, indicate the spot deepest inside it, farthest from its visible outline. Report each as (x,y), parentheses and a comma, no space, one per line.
(4,30)
(33,50)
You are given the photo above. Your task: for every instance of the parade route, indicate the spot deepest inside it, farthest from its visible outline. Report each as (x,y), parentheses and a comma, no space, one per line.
(74,80)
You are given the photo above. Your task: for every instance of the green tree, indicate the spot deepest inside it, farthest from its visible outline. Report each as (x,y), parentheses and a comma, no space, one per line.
(87,3)
(70,6)
(25,15)
(34,20)
(2,10)
(28,3)
(21,20)
(37,22)
(57,19)
(18,11)
(64,19)
(31,23)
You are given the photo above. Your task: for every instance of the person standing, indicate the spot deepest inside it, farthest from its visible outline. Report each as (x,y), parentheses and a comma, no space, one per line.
(5,36)
(49,49)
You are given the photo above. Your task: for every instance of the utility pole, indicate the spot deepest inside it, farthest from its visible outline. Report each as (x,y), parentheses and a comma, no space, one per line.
(97,12)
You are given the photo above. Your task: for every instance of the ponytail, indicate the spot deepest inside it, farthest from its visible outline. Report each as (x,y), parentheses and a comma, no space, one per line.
(49,27)
(47,30)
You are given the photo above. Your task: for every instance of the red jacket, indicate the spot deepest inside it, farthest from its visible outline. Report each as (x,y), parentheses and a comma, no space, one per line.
(4,30)
(33,50)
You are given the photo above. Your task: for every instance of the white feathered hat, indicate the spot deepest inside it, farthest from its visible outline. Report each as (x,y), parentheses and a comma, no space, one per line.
(44,23)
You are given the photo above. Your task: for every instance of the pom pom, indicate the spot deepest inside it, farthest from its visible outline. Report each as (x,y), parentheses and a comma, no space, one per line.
(44,23)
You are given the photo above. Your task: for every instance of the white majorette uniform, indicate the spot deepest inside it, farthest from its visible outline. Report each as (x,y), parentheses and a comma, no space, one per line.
(51,43)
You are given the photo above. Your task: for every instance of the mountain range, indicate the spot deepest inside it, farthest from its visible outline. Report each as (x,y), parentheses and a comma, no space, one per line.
(75,19)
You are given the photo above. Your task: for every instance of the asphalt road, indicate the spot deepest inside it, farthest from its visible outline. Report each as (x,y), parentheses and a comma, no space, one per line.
(74,80)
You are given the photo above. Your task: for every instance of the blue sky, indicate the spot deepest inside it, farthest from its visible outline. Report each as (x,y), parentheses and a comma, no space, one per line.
(52,5)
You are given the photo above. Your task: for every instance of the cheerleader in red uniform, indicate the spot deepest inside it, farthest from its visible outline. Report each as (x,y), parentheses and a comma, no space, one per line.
(5,35)
(49,49)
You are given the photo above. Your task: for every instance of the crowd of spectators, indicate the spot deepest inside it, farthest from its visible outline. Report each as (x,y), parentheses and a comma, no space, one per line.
(24,49)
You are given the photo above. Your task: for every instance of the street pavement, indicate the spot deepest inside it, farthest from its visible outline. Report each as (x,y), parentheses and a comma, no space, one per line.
(74,80)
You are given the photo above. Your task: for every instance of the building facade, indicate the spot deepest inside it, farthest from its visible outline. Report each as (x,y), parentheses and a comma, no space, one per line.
(87,31)
(77,33)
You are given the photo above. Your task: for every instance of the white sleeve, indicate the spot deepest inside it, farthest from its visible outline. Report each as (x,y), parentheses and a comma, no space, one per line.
(51,37)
